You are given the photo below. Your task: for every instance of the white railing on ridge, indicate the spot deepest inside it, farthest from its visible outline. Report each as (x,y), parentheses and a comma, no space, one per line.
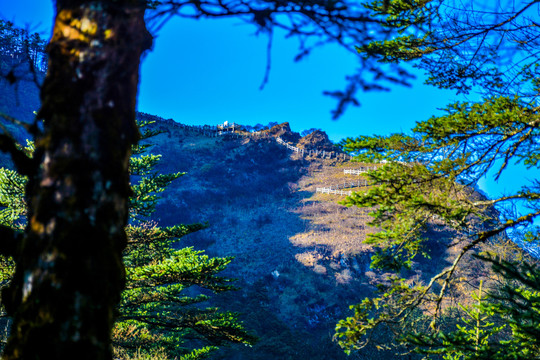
(337,189)
(359,171)
(230,130)
(220,130)
(322,153)
(332,191)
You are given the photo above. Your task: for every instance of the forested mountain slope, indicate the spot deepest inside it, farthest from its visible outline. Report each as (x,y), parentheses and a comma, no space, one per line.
(300,259)
(299,255)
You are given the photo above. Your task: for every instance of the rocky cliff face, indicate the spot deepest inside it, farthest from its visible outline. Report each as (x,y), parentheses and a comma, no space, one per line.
(284,132)
(317,140)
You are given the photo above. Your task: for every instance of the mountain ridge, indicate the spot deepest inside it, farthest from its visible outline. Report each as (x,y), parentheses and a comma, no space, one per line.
(299,254)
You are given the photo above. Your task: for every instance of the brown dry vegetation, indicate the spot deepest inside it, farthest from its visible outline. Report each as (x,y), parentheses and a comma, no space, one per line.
(299,255)
(332,232)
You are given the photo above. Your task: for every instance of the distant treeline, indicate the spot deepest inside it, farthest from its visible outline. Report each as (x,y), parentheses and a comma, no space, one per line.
(18,47)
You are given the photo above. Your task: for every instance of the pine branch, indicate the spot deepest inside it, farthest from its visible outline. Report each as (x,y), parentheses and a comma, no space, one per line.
(24,164)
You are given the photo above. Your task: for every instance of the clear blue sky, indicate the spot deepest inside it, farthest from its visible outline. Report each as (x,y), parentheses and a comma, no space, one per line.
(206,72)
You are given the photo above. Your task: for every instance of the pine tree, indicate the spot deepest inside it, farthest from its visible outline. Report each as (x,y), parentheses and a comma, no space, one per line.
(429,177)
(157,318)
(12,214)
(503,324)
(20,51)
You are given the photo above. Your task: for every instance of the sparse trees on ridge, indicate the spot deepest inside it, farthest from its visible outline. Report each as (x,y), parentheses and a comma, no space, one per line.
(490,49)
(18,47)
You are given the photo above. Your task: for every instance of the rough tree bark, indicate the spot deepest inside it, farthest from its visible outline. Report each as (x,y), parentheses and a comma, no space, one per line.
(69,273)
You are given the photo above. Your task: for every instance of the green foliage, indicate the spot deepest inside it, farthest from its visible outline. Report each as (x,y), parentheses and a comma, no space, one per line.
(147,182)
(12,213)
(402,48)
(503,324)
(160,314)
(12,201)
(461,44)
(12,208)
(396,309)
(428,179)
(401,16)
(429,176)
(155,309)
(471,340)
(145,191)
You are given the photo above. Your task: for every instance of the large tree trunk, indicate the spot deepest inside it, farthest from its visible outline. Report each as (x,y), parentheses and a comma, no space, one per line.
(69,273)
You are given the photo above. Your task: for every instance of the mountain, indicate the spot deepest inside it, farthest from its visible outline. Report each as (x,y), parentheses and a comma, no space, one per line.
(271,200)
(299,255)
